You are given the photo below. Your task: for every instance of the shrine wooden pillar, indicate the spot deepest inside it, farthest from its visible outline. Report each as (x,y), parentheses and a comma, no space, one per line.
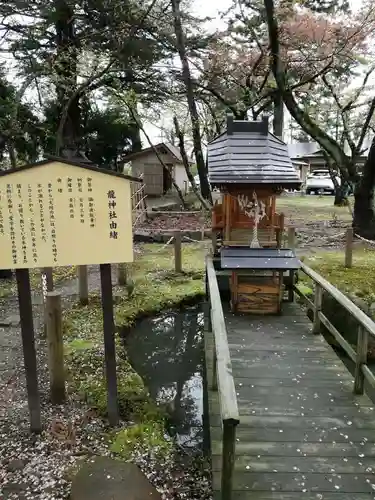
(227,216)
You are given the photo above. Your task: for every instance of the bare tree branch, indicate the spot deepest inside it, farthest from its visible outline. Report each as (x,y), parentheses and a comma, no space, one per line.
(300,115)
(185,160)
(342,113)
(365,127)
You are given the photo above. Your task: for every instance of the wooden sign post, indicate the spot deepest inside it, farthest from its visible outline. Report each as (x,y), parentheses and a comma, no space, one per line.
(55,348)
(42,207)
(28,345)
(109,343)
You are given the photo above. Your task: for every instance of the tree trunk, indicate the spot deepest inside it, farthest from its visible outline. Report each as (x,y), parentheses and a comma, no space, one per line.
(197,140)
(181,144)
(66,76)
(341,198)
(278,115)
(364,215)
(300,115)
(136,131)
(340,189)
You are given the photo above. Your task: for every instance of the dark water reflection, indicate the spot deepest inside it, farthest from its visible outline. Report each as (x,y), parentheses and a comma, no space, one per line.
(167,352)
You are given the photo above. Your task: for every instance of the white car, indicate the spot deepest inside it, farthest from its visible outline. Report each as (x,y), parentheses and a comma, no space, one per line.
(320,182)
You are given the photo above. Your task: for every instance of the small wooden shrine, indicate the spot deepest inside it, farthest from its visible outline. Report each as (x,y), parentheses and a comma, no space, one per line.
(250,166)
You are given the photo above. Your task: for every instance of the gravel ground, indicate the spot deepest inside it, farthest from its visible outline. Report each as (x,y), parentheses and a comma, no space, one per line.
(39,466)
(42,466)
(184,221)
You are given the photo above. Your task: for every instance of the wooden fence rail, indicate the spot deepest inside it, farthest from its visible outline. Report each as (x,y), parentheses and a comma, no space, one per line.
(366,327)
(138,200)
(222,380)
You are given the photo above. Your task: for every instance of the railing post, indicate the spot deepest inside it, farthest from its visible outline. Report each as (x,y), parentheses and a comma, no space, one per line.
(362,346)
(317,308)
(55,347)
(121,274)
(83,285)
(290,286)
(228,457)
(177,252)
(214,241)
(291,245)
(349,247)
(292,237)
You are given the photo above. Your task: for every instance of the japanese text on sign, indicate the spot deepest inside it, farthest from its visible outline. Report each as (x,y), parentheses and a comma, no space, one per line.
(32,223)
(64,215)
(11,224)
(112,204)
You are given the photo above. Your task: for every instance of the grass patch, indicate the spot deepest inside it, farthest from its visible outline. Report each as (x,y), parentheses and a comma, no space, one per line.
(139,438)
(9,287)
(358,280)
(312,208)
(156,286)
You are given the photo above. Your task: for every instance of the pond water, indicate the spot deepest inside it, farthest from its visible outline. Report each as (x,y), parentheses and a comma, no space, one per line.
(167,352)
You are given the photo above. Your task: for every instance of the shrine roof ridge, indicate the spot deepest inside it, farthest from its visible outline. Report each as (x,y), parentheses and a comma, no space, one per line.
(51,159)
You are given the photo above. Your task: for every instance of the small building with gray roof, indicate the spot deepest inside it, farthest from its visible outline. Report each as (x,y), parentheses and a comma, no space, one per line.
(157,181)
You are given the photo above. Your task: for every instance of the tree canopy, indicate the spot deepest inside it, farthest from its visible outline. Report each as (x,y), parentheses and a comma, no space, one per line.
(88,75)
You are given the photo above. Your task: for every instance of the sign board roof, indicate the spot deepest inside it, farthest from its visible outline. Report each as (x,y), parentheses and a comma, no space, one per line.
(59,213)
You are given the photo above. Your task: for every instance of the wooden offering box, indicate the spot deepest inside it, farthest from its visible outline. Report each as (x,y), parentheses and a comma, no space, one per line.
(256,281)
(258,293)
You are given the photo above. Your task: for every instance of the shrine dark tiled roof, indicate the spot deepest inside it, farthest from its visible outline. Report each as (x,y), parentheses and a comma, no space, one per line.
(247,153)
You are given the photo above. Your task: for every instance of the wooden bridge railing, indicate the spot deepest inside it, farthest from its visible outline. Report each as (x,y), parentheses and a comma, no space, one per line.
(222,380)
(366,326)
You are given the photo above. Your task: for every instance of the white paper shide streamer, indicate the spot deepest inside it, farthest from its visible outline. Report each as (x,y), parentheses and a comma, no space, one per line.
(44,286)
(254,209)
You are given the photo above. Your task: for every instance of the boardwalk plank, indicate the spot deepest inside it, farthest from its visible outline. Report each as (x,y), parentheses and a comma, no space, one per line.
(300,435)
(264,495)
(295,449)
(323,465)
(305,422)
(297,482)
(298,415)
(298,381)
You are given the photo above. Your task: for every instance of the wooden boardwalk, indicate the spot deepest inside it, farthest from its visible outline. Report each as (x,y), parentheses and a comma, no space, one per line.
(303,434)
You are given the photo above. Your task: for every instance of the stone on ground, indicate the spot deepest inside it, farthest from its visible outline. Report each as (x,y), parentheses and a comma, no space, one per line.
(104,478)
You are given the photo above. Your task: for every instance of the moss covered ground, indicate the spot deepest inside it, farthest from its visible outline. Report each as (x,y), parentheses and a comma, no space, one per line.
(312,208)
(9,287)
(156,287)
(358,280)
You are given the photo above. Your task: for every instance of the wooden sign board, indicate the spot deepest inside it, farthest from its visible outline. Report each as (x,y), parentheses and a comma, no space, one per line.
(57,213)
